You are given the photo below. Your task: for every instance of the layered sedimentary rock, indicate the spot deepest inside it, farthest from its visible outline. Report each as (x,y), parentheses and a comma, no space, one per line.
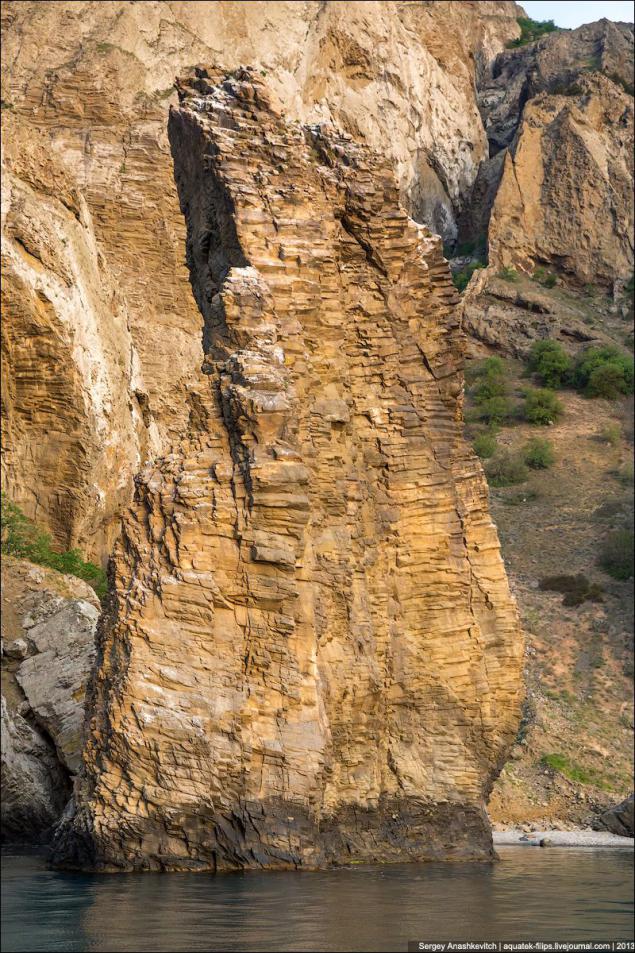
(102,338)
(48,648)
(311,654)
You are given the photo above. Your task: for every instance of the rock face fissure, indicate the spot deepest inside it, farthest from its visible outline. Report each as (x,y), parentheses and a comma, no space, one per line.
(313,654)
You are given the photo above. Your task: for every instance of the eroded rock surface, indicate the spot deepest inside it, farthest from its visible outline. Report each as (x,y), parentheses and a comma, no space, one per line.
(558,185)
(48,648)
(557,192)
(313,655)
(102,338)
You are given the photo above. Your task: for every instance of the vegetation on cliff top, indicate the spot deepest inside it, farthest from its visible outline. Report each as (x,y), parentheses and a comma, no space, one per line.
(22,538)
(531,30)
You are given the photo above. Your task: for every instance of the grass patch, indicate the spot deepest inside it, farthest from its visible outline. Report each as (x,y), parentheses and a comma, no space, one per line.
(616,555)
(611,434)
(522,496)
(545,278)
(575,772)
(558,762)
(624,474)
(508,274)
(22,538)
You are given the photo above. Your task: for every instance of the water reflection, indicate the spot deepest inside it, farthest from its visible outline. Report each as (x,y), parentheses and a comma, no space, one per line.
(530,894)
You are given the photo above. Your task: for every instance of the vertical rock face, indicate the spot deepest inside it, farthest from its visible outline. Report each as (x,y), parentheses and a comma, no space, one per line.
(559,185)
(311,653)
(101,341)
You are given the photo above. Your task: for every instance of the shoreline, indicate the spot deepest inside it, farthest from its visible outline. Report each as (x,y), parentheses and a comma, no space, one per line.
(562,839)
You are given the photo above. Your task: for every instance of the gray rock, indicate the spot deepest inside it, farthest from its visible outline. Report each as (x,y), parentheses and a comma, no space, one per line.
(618,819)
(18,649)
(49,648)
(54,679)
(35,787)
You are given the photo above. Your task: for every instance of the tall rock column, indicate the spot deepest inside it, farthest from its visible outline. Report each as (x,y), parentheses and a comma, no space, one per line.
(311,654)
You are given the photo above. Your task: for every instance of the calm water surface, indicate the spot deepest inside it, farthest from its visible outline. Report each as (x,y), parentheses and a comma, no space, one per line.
(557,894)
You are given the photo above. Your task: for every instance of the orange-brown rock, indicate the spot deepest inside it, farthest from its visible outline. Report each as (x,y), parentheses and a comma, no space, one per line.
(311,653)
(102,337)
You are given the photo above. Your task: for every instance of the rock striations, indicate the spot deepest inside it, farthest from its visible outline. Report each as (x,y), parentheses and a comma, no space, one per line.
(311,654)
(101,346)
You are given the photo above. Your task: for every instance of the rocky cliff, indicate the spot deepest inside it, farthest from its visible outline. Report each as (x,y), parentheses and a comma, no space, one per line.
(556,193)
(312,653)
(308,439)
(103,347)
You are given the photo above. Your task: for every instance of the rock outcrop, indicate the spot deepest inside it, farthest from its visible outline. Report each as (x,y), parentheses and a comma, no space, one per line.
(557,191)
(48,648)
(312,654)
(619,819)
(101,342)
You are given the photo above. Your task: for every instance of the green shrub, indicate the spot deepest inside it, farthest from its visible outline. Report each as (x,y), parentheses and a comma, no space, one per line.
(490,385)
(607,381)
(551,363)
(545,278)
(494,410)
(566,89)
(624,474)
(538,454)
(531,30)
(575,589)
(506,469)
(473,247)
(541,406)
(604,372)
(508,274)
(616,554)
(485,445)
(21,538)
(462,277)
(611,434)
(489,366)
